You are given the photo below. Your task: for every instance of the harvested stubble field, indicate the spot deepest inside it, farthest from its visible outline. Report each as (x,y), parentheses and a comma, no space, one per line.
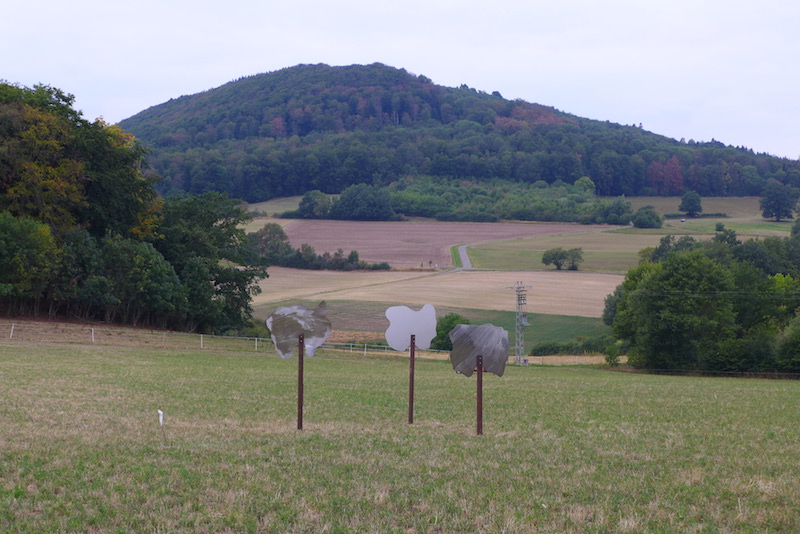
(554,292)
(564,450)
(357,309)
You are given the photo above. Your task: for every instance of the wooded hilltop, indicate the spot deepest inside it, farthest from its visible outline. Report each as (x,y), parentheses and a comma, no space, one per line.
(318,127)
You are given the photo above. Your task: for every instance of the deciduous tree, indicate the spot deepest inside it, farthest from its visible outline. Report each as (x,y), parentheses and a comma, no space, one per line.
(443,327)
(555,256)
(778,201)
(691,203)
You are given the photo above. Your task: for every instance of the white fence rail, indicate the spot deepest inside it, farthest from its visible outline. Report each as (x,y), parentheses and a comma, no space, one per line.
(35,332)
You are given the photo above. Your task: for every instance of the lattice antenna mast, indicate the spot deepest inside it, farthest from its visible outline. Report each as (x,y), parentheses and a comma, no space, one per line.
(522,321)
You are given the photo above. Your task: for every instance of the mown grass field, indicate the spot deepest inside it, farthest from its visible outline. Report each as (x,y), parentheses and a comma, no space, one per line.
(564,450)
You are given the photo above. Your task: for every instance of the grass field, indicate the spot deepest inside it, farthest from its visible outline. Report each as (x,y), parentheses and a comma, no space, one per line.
(743,215)
(564,450)
(275,206)
(608,251)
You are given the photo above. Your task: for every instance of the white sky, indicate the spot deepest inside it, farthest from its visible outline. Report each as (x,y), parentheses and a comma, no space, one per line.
(693,69)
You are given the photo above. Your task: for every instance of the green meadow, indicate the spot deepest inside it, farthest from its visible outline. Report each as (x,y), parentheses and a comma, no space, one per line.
(607,251)
(616,250)
(576,449)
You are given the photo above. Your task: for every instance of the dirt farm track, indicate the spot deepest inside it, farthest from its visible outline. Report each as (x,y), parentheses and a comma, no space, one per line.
(406,245)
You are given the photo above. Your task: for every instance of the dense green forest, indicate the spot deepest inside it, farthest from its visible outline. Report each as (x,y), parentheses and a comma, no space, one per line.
(84,234)
(316,127)
(715,305)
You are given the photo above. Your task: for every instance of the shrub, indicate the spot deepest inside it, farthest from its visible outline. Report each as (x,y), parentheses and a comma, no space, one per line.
(647,217)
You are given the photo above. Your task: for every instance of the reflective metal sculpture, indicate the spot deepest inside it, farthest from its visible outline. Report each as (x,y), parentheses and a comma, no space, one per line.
(405,322)
(297,326)
(409,328)
(287,323)
(486,340)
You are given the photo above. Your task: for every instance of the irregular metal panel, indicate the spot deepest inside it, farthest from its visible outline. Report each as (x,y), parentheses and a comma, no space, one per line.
(471,340)
(405,322)
(287,323)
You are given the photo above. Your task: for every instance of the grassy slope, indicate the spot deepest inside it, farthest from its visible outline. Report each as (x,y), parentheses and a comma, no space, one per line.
(276,206)
(564,450)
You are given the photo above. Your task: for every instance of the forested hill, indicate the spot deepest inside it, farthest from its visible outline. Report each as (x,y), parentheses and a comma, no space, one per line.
(321,127)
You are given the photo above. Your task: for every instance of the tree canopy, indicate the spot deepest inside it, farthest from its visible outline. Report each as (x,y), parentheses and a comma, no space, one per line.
(717,305)
(691,204)
(84,234)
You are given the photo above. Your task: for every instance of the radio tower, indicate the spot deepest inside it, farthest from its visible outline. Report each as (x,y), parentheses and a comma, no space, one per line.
(522,321)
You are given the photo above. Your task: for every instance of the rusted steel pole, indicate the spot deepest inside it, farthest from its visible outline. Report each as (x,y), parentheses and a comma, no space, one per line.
(411,381)
(480,395)
(301,343)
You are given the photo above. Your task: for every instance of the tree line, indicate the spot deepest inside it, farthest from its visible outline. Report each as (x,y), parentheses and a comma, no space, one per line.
(270,246)
(84,233)
(459,200)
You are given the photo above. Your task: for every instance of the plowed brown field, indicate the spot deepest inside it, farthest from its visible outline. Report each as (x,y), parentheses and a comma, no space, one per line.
(413,243)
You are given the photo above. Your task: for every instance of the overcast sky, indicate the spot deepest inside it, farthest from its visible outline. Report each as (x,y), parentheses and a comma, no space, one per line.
(694,69)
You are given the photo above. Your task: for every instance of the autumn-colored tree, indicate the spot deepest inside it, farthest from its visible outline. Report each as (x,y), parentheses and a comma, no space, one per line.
(65,171)
(41,176)
(665,179)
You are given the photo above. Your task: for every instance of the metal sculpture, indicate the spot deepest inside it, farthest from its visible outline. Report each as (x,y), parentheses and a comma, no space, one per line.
(308,328)
(479,348)
(409,329)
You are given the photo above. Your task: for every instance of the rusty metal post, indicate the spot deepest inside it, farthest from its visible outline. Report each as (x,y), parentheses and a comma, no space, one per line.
(480,395)
(301,343)
(411,381)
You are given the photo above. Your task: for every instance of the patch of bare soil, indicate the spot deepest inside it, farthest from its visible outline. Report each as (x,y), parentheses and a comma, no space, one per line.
(413,243)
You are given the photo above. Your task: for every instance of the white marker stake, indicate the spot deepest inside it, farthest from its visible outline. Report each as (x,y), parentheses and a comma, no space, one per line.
(161,424)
